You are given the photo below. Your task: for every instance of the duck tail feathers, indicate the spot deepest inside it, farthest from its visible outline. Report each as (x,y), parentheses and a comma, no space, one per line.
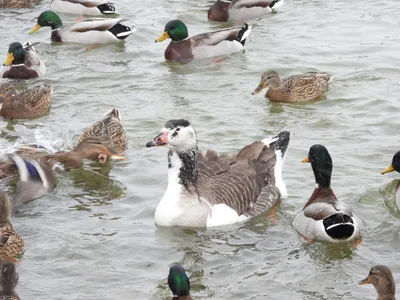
(107,8)
(243,34)
(121,32)
(275,4)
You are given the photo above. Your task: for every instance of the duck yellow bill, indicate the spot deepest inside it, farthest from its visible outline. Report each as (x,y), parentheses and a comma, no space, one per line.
(9,59)
(388,170)
(34,29)
(163,37)
(306,160)
(260,87)
(365,281)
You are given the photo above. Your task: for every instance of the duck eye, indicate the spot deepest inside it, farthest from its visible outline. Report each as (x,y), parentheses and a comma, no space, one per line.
(178,129)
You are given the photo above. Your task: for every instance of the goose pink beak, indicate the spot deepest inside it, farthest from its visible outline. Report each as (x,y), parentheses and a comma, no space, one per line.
(159,140)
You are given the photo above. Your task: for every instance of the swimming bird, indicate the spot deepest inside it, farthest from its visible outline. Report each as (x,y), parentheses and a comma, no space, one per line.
(296,88)
(83,7)
(8,280)
(110,126)
(17,3)
(22,62)
(183,48)
(241,10)
(11,243)
(324,217)
(382,279)
(395,166)
(179,283)
(28,104)
(90,31)
(210,190)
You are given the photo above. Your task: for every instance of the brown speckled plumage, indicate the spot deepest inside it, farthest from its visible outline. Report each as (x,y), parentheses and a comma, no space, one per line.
(296,88)
(11,244)
(8,280)
(17,3)
(109,126)
(28,104)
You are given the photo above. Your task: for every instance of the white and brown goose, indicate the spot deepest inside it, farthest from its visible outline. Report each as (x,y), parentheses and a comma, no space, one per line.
(210,190)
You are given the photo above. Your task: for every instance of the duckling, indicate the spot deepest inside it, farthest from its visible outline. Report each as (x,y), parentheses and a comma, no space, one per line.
(11,243)
(91,31)
(22,62)
(110,125)
(8,280)
(296,88)
(17,3)
(83,7)
(179,283)
(382,279)
(28,104)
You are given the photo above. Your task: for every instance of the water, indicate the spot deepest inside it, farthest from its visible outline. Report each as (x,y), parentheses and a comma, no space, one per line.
(95,238)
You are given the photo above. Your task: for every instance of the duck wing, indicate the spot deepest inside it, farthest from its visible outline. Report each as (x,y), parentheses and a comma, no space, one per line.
(216,37)
(87,3)
(249,3)
(246,182)
(95,24)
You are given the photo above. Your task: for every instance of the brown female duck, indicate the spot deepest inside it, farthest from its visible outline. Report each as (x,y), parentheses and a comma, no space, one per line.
(8,280)
(28,104)
(382,279)
(110,126)
(296,88)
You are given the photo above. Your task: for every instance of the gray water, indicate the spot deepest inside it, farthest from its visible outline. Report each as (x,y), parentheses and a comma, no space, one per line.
(95,238)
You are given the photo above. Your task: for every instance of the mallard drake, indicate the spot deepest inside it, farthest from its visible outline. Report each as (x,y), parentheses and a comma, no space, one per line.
(179,283)
(83,7)
(110,125)
(382,279)
(296,88)
(212,190)
(241,10)
(11,244)
(8,280)
(28,104)
(324,217)
(217,43)
(395,166)
(95,146)
(90,31)
(17,3)
(22,62)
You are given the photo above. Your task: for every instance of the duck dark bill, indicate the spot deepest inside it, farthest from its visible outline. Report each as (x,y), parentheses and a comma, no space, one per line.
(163,37)
(159,140)
(9,59)
(306,160)
(365,281)
(388,170)
(34,29)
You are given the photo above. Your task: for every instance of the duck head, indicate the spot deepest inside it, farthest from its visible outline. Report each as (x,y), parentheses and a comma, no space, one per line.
(321,163)
(47,18)
(98,147)
(178,135)
(176,30)
(15,55)
(395,166)
(382,279)
(178,281)
(269,79)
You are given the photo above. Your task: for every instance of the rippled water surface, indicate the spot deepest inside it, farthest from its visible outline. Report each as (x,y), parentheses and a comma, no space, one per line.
(95,238)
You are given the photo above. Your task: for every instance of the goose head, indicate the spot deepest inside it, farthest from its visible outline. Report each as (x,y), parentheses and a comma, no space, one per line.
(382,279)
(178,135)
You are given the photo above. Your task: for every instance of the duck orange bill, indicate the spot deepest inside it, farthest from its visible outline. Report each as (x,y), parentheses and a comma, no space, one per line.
(9,59)
(260,87)
(388,170)
(306,160)
(34,29)
(159,140)
(365,281)
(163,37)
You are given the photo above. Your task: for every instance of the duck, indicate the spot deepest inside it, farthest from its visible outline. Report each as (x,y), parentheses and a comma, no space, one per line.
(91,147)
(395,166)
(211,190)
(382,279)
(183,48)
(89,31)
(22,62)
(17,3)
(11,243)
(241,10)
(296,88)
(110,126)
(83,7)
(324,217)
(8,280)
(29,104)
(179,283)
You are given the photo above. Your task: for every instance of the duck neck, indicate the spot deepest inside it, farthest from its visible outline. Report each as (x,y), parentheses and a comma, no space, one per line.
(386,291)
(182,168)
(70,159)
